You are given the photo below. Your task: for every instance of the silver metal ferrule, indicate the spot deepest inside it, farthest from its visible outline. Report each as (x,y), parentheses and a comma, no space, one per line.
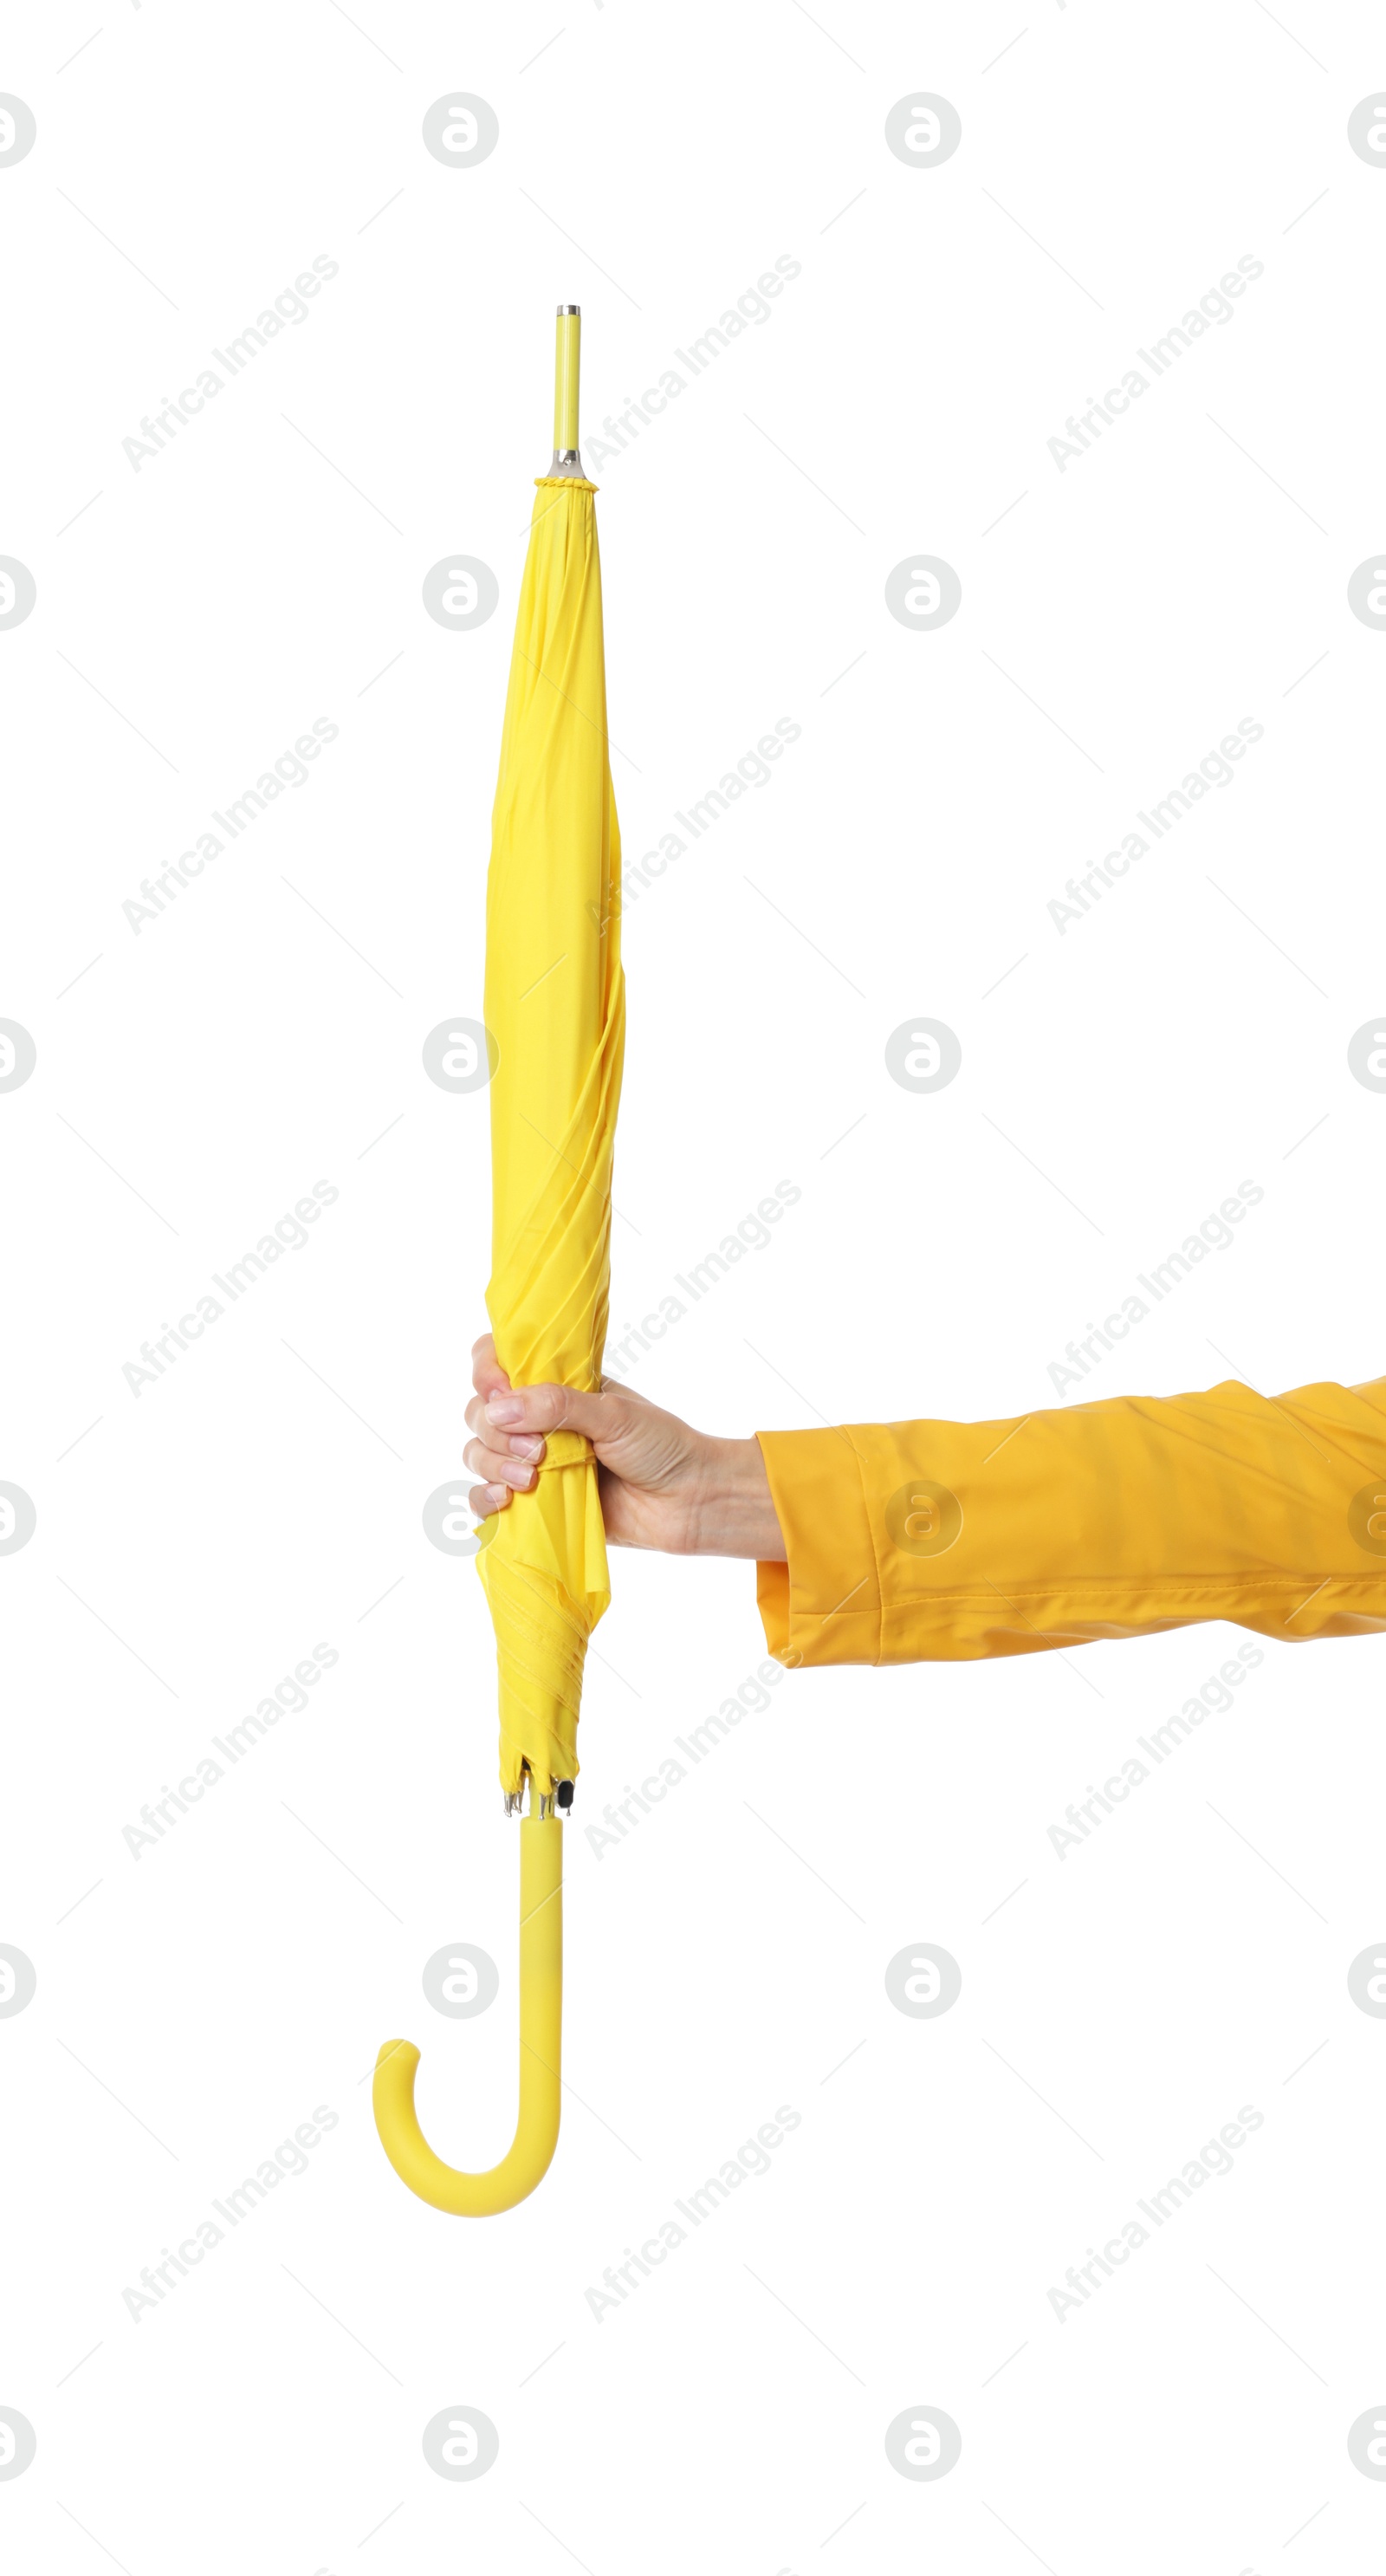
(542,1802)
(567,460)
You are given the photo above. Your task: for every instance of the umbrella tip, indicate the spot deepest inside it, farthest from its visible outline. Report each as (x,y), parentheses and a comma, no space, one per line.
(566,458)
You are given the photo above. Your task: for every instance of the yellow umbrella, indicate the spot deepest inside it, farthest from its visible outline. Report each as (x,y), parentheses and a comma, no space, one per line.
(555,1010)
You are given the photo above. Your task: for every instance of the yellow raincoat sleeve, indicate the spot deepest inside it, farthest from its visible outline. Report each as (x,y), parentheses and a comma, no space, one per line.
(913,1542)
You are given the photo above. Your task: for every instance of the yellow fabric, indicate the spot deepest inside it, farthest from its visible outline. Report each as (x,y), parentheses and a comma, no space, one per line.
(555,1009)
(945,1541)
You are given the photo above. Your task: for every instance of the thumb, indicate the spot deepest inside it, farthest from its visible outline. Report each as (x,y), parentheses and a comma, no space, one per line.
(599,1417)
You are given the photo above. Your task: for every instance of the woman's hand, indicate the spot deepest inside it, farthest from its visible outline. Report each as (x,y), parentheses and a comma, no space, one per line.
(662,1485)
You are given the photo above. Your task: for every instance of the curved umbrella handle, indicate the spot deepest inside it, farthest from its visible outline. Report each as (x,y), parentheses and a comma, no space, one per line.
(480,2195)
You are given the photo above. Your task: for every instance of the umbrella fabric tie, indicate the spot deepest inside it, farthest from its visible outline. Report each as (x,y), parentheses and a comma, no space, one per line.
(565,1449)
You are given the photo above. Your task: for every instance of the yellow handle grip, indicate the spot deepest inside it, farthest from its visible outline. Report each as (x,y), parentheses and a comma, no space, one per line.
(481,2195)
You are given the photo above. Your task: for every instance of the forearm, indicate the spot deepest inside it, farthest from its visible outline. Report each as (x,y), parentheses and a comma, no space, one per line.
(732,1512)
(947,1541)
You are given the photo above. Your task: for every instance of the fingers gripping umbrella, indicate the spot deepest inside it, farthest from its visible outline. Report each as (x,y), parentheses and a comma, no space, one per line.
(555,1009)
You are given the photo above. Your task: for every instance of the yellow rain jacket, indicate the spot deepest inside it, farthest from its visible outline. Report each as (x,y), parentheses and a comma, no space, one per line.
(914,1542)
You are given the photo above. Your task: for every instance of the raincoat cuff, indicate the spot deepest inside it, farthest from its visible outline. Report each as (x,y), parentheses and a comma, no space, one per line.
(940,1541)
(824,1605)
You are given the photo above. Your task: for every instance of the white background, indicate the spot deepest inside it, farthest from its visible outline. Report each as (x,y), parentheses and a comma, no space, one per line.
(193,1543)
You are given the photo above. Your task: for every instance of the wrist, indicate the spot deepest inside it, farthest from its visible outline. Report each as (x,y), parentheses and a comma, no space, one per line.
(734,1514)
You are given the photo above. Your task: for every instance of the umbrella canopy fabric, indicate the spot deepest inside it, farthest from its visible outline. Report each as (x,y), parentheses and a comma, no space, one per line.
(555,1011)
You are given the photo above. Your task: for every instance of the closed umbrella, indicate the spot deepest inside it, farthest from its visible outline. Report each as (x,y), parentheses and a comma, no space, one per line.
(555,1012)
